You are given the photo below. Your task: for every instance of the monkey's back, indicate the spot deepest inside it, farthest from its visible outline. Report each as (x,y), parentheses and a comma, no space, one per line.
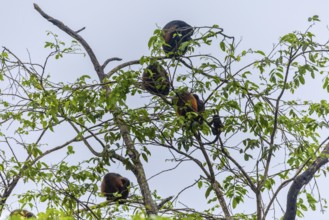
(22,213)
(174,34)
(156,80)
(114,183)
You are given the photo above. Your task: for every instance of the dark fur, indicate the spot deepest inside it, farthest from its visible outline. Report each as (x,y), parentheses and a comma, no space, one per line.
(185,102)
(201,107)
(174,34)
(188,102)
(156,80)
(114,183)
(22,213)
(217,125)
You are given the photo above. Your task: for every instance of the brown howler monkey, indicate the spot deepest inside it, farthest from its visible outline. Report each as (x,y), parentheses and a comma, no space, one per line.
(21,213)
(174,34)
(156,80)
(114,183)
(201,106)
(188,102)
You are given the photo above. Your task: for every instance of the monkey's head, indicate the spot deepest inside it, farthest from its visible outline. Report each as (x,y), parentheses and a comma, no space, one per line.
(125,182)
(114,184)
(174,34)
(124,189)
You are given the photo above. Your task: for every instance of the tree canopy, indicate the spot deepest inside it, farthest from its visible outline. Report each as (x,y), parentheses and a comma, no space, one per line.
(271,143)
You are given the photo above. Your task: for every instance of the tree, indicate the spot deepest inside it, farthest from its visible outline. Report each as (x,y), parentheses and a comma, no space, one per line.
(271,141)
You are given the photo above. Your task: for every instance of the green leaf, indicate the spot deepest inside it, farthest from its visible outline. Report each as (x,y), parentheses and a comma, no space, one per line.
(314,18)
(145,157)
(301,79)
(208,191)
(222,46)
(260,52)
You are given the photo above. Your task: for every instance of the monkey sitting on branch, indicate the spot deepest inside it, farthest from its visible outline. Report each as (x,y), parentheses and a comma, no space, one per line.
(21,214)
(174,34)
(115,187)
(156,80)
(186,102)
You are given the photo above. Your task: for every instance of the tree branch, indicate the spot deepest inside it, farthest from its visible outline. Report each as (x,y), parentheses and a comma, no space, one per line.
(302,180)
(119,67)
(75,35)
(164,201)
(110,60)
(137,169)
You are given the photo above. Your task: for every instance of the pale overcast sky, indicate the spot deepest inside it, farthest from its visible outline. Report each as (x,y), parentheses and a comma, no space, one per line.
(122,29)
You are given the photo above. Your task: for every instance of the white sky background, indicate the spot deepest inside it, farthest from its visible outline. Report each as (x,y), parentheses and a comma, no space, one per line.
(122,29)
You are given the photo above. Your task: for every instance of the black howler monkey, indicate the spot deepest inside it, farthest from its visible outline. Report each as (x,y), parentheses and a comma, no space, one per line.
(156,80)
(174,34)
(21,213)
(217,125)
(188,102)
(114,183)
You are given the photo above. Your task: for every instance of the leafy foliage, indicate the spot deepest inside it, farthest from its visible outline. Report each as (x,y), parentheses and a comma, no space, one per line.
(269,135)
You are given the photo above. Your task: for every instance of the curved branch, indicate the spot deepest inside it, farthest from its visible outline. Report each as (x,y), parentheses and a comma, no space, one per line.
(285,183)
(110,60)
(76,36)
(121,66)
(164,201)
(137,168)
(302,180)
(91,149)
(214,183)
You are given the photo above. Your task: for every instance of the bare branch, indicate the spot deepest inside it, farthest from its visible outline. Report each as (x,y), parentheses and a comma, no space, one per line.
(121,66)
(164,201)
(76,36)
(110,60)
(78,31)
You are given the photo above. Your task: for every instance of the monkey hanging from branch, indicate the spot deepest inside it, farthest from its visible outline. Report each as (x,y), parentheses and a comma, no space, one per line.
(216,126)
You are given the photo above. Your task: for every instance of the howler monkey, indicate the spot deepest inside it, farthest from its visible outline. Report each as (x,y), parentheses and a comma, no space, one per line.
(217,125)
(174,34)
(201,107)
(21,213)
(156,80)
(188,102)
(114,183)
